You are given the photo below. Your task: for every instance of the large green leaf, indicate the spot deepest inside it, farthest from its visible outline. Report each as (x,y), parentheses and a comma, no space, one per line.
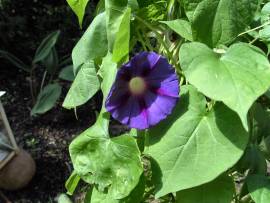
(253,160)
(115,10)
(85,85)
(194,146)
(93,43)
(67,73)
(181,27)
(78,7)
(47,99)
(220,190)
(259,188)
(46,46)
(134,197)
(133,4)
(121,45)
(100,197)
(216,22)
(265,147)
(107,72)
(114,163)
(265,13)
(264,33)
(236,78)
(190,7)
(260,123)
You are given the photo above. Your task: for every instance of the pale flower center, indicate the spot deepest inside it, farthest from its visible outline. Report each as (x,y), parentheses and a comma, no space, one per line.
(137,85)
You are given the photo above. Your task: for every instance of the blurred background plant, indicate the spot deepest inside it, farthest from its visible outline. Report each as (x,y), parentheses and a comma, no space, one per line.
(26,23)
(36,40)
(45,91)
(28,29)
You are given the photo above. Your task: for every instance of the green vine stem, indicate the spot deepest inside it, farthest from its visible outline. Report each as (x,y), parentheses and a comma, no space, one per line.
(254,29)
(140,39)
(158,36)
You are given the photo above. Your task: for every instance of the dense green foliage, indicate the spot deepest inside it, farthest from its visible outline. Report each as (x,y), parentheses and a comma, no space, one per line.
(214,147)
(219,49)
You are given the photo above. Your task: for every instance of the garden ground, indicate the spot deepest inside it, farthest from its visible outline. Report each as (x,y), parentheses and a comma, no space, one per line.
(46,137)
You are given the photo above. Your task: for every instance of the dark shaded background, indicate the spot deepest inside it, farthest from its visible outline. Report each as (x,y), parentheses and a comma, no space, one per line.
(23,25)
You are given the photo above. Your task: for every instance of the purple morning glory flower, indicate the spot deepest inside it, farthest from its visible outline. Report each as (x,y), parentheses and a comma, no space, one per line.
(145,91)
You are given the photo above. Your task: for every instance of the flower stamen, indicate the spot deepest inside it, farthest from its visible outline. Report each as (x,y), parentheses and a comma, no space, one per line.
(137,85)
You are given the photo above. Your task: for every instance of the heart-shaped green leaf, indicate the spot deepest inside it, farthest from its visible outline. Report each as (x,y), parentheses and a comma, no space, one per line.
(181,27)
(107,72)
(93,43)
(121,45)
(253,160)
(67,73)
(135,196)
(265,13)
(220,190)
(216,22)
(114,163)
(78,7)
(85,85)
(236,78)
(115,10)
(259,188)
(194,146)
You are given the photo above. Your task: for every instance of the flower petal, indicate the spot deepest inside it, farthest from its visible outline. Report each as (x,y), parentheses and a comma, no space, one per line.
(159,107)
(138,116)
(143,63)
(161,71)
(155,103)
(122,112)
(131,114)
(167,87)
(117,96)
